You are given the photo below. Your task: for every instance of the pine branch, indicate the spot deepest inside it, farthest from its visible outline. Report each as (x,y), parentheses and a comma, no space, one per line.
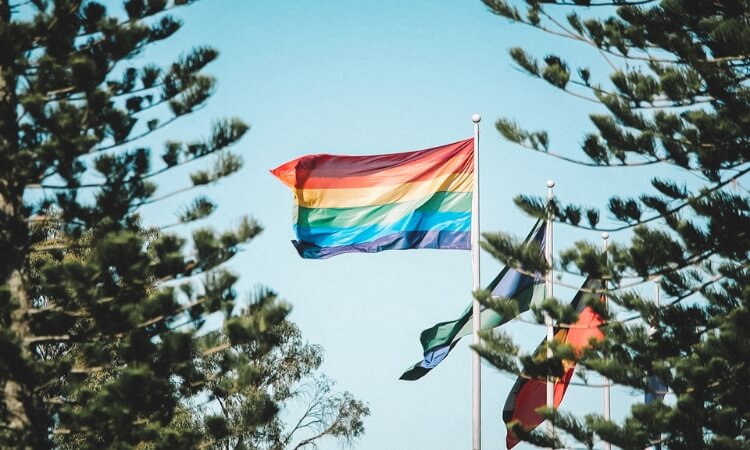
(43,339)
(135,179)
(590,4)
(144,134)
(627,57)
(705,193)
(591,164)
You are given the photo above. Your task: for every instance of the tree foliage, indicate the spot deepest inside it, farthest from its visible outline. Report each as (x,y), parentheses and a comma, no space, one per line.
(285,375)
(99,312)
(676,95)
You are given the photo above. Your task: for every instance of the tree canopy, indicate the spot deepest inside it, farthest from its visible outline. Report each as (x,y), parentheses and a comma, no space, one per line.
(676,95)
(99,311)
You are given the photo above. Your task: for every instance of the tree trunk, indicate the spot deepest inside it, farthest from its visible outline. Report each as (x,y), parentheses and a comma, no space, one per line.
(18,387)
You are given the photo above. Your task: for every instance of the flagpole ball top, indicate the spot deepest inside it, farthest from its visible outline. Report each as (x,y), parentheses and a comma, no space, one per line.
(476,118)
(605,235)
(550,183)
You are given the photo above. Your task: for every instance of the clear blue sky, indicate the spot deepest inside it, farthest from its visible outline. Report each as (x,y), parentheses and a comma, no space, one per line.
(376,76)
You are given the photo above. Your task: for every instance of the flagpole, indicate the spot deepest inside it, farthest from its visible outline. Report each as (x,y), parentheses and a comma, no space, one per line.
(550,293)
(476,385)
(605,245)
(657,294)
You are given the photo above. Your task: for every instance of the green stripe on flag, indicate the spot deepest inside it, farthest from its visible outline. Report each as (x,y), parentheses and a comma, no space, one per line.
(382,214)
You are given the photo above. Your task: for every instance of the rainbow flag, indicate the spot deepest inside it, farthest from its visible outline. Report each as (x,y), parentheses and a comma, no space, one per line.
(396,201)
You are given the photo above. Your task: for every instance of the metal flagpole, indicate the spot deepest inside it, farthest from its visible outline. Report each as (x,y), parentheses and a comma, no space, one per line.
(550,293)
(476,385)
(605,239)
(657,294)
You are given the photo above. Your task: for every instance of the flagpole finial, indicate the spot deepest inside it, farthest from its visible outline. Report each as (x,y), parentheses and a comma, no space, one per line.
(605,235)
(550,183)
(476,118)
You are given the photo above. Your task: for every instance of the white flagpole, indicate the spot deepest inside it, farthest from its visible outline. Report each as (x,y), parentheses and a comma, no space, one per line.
(657,294)
(550,294)
(658,291)
(476,385)
(605,242)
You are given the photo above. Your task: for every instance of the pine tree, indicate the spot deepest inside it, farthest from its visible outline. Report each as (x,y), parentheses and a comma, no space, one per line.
(98,311)
(677,95)
(279,373)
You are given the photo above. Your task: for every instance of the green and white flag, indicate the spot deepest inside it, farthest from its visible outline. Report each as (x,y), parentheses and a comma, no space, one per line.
(440,339)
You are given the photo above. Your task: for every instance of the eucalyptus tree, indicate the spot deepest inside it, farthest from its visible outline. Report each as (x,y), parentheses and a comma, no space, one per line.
(287,376)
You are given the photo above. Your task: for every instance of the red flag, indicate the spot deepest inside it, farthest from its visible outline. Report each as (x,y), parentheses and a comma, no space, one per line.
(529,394)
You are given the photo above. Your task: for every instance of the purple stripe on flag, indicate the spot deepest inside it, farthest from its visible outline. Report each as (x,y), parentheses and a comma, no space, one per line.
(458,240)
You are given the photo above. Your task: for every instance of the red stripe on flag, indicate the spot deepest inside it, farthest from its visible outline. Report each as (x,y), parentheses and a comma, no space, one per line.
(532,394)
(323,171)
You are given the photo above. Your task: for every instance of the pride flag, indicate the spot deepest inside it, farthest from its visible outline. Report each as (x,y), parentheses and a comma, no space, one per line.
(440,339)
(529,394)
(396,201)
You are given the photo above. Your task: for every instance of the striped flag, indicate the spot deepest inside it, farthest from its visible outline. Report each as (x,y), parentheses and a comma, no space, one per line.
(440,339)
(396,201)
(529,394)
